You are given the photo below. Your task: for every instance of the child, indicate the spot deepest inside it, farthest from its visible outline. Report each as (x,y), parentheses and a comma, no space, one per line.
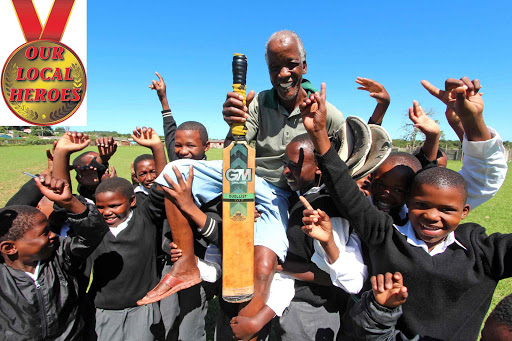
(498,326)
(452,270)
(40,292)
(376,314)
(145,172)
(484,166)
(188,141)
(90,166)
(124,264)
(314,307)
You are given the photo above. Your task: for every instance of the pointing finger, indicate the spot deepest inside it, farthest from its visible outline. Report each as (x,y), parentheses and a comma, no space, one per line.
(432,89)
(323,91)
(306,203)
(159,77)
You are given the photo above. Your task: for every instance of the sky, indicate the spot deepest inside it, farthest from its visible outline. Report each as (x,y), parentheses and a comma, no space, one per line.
(191,44)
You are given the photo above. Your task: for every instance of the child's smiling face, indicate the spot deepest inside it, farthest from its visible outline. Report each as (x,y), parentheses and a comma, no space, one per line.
(114,207)
(434,212)
(389,186)
(37,243)
(146,172)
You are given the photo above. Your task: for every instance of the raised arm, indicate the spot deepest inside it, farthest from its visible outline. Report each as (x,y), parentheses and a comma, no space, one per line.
(462,97)
(58,191)
(147,137)
(428,127)
(169,122)
(106,148)
(370,224)
(69,143)
(380,94)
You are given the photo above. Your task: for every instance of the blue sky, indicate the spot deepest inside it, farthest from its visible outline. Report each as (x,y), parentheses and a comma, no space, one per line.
(191,45)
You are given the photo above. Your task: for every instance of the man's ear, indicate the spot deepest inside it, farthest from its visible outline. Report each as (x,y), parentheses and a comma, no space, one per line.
(8,247)
(133,201)
(318,171)
(207,146)
(465,211)
(304,67)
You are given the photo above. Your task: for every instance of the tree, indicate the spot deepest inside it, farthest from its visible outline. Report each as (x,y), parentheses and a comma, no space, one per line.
(41,131)
(410,133)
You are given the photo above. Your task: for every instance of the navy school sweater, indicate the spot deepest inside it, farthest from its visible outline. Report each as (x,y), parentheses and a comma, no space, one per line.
(449,293)
(124,267)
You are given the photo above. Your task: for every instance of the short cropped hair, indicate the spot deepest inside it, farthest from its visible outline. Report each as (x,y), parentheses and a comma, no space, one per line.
(305,141)
(283,34)
(440,177)
(141,158)
(79,161)
(16,220)
(403,159)
(193,125)
(502,313)
(116,185)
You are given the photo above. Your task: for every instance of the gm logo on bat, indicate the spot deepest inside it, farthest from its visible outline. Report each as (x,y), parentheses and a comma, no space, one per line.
(238,175)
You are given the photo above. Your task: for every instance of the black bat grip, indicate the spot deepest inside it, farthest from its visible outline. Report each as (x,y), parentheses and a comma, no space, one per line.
(239,69)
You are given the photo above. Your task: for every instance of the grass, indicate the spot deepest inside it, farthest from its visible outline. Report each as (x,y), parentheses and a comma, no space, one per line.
(32,159)
(494,214)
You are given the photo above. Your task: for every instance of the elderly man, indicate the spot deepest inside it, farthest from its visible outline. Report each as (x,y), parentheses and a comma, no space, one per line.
(273,119)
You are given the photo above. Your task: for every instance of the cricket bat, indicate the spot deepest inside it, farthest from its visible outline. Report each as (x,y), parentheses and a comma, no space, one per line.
(239,163)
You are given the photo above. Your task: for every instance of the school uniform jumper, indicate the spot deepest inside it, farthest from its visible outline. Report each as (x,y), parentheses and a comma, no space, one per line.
(451,291)
(124,270)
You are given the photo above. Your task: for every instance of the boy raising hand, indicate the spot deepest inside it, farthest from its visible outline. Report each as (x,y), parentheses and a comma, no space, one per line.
(40,295)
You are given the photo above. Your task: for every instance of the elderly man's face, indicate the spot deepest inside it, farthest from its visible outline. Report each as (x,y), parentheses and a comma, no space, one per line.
(285,67)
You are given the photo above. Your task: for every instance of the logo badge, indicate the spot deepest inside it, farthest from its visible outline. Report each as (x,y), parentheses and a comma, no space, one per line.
(43,82)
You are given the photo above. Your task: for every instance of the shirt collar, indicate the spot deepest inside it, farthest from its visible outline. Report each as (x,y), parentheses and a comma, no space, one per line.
(408,231)
(116,230)
(142,189)
(271,100)
(36,272)
(312,190)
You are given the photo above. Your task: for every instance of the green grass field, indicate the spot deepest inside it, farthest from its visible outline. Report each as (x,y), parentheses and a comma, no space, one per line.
(494,214)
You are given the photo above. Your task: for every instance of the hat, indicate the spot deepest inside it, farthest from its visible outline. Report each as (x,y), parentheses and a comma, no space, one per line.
(363,147)
(379,151)
(353,141)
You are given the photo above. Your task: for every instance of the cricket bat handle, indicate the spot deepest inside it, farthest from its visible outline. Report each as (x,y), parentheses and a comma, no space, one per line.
(239,79)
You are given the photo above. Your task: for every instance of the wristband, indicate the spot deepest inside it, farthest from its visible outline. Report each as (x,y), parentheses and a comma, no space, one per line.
(166,112)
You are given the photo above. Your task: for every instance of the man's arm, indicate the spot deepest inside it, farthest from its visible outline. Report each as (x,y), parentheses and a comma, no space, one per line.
(234,110)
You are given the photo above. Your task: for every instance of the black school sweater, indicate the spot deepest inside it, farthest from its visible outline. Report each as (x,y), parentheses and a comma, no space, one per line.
(124,267)
(449,293)
(301,250)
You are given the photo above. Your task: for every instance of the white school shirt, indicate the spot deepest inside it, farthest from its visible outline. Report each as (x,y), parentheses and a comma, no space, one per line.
(348,272)
(408,231)
(117,229)
(484,168)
